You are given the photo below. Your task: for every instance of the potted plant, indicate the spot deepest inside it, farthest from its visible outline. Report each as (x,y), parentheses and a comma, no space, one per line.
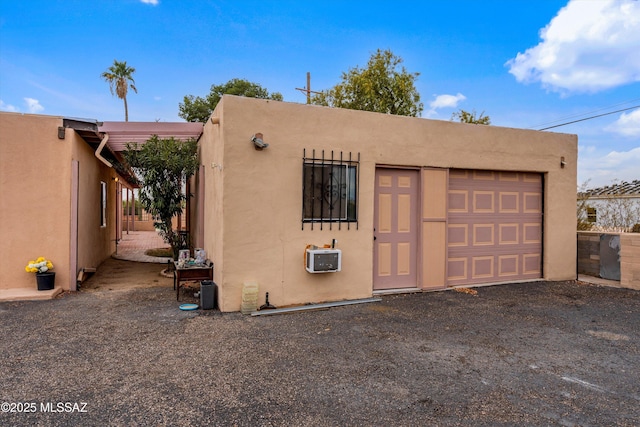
(45,278)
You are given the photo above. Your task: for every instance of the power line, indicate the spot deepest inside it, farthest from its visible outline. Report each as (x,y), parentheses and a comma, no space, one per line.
(592,117)
(584,114)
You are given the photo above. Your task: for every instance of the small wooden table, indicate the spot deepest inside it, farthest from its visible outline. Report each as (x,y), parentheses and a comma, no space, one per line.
(191,272)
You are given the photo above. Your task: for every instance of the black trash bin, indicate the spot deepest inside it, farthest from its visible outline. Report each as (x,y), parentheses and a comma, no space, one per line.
(208,295)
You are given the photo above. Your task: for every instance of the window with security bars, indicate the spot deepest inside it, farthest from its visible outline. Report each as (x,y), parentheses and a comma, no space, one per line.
(330,189)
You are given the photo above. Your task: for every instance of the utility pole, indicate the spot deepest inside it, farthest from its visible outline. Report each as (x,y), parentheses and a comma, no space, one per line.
(308,90)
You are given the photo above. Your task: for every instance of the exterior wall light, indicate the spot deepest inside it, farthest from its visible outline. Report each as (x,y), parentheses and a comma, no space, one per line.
(258,142)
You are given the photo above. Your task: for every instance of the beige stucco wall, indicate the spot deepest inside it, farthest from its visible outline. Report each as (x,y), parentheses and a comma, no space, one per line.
(35,207)
(137,225)
(252,220)
(208,221)
(35,187)
(95,243)
(630,260)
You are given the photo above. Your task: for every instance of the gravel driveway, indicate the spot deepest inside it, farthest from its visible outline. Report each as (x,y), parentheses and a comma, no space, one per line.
(544,353)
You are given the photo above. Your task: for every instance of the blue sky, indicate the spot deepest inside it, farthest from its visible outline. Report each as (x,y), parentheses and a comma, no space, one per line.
(526,64)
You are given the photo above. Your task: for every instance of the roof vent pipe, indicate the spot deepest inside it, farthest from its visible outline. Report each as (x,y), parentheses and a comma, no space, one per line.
(100,147)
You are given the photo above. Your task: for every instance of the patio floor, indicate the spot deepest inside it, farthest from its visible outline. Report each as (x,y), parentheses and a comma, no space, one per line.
(132,247)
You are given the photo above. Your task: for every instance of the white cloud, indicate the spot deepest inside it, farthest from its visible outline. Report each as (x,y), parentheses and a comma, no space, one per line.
(7,107)
(33,105)
(616,158)
(447,101)
(588,46)
(587,149)
(603,170)
(628,124)
(444,101)
(153,2)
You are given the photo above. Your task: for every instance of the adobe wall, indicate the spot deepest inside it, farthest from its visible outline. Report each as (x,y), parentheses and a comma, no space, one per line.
(630,260)
(95,242)
(137,225)
(36,184)
(34,207)
(252,220)
(207,209)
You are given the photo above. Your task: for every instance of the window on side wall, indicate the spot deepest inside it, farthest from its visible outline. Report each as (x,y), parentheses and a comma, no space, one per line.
(592,214)
(330,189)
(103,204)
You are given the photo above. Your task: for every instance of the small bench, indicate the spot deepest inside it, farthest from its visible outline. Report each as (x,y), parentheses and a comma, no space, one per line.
(191,272)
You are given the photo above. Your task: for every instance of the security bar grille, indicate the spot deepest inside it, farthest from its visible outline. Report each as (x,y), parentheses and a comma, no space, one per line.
(330,189)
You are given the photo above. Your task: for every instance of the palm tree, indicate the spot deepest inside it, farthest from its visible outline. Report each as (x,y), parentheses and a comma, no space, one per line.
(118,76)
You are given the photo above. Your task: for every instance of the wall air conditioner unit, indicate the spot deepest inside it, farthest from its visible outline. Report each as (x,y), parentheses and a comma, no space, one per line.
(324,260)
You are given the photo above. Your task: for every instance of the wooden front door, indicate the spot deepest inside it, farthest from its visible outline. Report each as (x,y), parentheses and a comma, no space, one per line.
(395,229)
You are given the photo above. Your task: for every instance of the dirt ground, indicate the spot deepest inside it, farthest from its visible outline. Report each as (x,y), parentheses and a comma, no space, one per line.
(119,275)
(120,352)
(125,275)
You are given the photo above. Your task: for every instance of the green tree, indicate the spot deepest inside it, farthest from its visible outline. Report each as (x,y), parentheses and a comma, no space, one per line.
(380,87)
(163,165)
(471,117)
(197,109)
(120,79)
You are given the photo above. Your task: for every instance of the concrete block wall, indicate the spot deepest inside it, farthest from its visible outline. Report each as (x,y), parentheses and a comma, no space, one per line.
(630,260)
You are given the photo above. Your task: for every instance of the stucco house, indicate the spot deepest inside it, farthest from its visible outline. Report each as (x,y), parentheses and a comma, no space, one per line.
(615,206)
(55,199)
(411,204)
(62,182)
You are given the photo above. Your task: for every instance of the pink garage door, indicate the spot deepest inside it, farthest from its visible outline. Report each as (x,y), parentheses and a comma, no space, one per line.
(494,227)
